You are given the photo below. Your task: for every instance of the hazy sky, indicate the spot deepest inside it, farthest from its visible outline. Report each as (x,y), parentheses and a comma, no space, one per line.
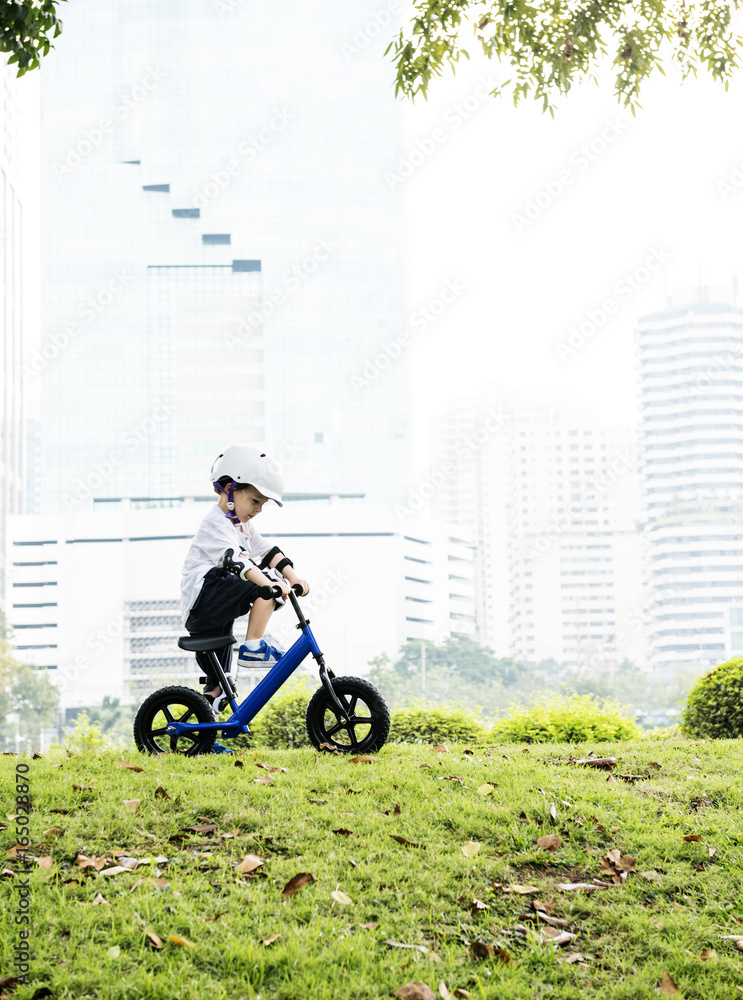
(613,196)
(534,225)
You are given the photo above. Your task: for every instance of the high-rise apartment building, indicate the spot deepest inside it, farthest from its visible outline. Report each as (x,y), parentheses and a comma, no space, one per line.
(691,389)
(16,101)
(222,254)
(574,546)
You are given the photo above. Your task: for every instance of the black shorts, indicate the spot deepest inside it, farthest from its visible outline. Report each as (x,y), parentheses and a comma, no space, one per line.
(223,598)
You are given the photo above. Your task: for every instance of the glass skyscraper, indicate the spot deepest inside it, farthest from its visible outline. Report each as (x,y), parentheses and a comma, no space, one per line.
(223,257)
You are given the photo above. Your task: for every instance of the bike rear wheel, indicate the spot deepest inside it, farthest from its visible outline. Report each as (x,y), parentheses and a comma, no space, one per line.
(367,724)
(173,704)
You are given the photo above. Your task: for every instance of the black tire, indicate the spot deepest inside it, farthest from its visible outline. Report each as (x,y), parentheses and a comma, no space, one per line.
(173,704)
(368,723)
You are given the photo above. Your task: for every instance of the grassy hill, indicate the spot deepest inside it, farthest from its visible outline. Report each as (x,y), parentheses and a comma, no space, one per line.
(426,867)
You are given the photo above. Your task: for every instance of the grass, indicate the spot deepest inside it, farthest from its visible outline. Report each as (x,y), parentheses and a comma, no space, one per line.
(627,936)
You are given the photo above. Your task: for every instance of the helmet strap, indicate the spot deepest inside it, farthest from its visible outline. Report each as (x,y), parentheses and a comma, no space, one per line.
(229,493)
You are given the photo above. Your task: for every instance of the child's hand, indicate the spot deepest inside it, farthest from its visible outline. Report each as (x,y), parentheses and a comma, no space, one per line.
(304,585)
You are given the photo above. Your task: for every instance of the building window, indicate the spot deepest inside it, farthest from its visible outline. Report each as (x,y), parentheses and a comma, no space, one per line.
(186,213)
(216,239)
(164,188)
(246,265)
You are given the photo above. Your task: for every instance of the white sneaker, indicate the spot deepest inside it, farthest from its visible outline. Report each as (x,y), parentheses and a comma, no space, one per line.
(264,656)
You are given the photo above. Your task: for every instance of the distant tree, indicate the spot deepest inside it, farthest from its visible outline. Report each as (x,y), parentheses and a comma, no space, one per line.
(550,46)
(26,30)
(459,669)
(35,699)
(108,715)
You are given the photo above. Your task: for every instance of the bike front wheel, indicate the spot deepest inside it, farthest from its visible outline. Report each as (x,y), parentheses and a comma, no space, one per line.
(173,704)
(367,724)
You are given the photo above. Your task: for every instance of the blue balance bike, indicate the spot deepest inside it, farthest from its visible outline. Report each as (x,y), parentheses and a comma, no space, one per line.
(346,714)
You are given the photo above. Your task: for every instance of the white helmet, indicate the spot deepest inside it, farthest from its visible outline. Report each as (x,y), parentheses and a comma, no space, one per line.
(248,465)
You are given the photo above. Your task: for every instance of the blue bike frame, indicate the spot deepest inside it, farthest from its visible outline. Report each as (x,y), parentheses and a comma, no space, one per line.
(263,692)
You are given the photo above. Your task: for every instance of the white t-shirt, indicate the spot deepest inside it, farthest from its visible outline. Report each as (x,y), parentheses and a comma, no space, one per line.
(216,534)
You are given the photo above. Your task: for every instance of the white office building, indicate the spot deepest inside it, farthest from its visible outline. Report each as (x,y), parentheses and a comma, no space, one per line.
(95,594)
(691,387)
(222,254)
(574,546)
(18,122)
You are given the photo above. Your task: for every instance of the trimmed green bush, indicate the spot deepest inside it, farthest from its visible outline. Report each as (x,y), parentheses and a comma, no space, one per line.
(281,723)
(714,706)
(426,723)
(571,719)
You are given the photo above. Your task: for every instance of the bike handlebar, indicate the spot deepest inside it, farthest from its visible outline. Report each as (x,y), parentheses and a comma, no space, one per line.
(240,569)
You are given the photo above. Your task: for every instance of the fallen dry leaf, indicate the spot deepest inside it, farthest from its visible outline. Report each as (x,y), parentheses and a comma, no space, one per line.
(132,805)
(481,951)
(180,941)
(611,780)
(709,955)
(114,952)
(265,780)
(651,876)
(153,939)
(478,906)
(441,748)
(550,842)
(415,991)
(434,957)
(461,994)
(443,992)
(485,789)
(341,897)
(555,936)
(363,758)
(157,882)
(353,791)
(342,832)
(270,940)
(100,901)
(693,837)
(44,862)
(271,767)
(299,881)
(160,793)
(667,985)
(403,840)
(53,831)
(132,767)
(371,926)
(203,828)
(471,848)
(413,947)
(602,762)
(319,802)
(115,870)
(575,956)
(249,864)
(523,890)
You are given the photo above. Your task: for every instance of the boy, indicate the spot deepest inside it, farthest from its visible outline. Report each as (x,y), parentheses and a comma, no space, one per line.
(211,596)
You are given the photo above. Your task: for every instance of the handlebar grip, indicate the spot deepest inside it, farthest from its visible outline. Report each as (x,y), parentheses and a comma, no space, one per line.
(268,592)
(297,588)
